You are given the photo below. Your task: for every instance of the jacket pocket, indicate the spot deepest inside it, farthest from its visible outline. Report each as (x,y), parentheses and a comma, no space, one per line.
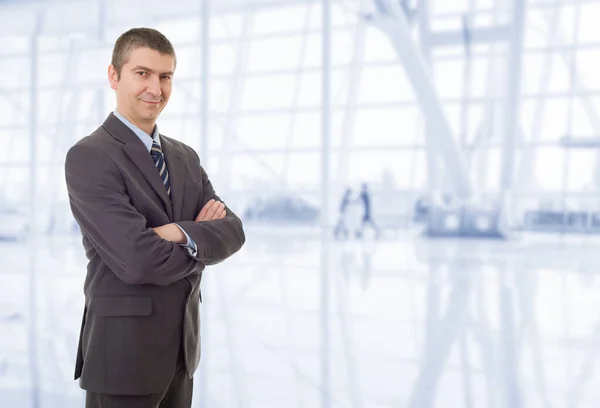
(122,306)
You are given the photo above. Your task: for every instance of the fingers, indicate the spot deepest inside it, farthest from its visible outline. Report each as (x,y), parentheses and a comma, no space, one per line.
(220,212)
(212,210)
(204,210)
(215,211)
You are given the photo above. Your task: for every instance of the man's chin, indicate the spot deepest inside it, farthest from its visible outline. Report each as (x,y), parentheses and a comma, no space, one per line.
(150,115)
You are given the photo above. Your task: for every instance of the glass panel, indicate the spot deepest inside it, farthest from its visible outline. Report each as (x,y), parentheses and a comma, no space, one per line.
(545,119)
(274,53)
(588,66)
(582,171)
(549,168)
(589,15)
(281,19)
(253,171)
(225,25)
(270,131)
(16,143)
(384,84)
(274,91)
(385,127)
(15,72)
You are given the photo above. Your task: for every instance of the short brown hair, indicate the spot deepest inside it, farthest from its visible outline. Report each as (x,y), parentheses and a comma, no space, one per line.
(136,38)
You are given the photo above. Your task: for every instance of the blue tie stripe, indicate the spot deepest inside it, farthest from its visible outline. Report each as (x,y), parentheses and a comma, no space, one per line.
(159,161)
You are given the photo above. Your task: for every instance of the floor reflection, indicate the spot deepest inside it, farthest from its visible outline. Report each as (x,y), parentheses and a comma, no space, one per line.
(403,322)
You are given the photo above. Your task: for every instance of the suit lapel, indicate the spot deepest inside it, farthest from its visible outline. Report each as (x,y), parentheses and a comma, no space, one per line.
(136,151)
(142,159)
(176,168)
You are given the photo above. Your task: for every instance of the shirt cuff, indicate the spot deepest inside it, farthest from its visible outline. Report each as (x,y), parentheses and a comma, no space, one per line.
(190,246)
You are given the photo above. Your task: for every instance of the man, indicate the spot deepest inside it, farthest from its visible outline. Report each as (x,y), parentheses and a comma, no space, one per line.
(151,222)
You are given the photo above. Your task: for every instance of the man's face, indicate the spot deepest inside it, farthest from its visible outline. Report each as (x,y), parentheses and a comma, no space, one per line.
(144,87)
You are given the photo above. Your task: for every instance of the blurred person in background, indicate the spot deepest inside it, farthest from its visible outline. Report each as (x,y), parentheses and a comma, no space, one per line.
(367,217)
(341,228)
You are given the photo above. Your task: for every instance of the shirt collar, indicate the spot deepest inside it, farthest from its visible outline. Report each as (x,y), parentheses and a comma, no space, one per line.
(143,136)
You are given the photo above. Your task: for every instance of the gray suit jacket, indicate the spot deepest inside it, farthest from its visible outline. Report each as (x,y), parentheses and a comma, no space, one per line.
(142,293)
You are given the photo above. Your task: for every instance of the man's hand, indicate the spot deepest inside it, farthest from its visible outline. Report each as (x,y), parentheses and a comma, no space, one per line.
(171,232)
(212,210)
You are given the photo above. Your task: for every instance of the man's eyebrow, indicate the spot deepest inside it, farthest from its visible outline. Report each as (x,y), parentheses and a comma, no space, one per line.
(141,67)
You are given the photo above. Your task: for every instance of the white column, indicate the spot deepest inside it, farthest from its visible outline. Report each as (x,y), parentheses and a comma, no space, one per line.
(433,160)
(325,384)
(33,218)
(204,96)
(203,153)
(513,98)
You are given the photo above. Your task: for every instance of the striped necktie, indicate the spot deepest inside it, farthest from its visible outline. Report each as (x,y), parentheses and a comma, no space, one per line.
(159,161)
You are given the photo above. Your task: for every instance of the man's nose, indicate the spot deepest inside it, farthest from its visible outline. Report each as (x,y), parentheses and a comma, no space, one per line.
(153,87)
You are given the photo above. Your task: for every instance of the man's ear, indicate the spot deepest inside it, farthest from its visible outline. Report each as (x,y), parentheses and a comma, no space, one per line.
(112,76)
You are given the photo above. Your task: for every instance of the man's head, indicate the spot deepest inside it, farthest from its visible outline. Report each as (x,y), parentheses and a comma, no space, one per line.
(141,71)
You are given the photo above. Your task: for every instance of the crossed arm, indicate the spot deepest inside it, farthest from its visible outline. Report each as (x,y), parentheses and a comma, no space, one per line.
(212,210)
(118,232)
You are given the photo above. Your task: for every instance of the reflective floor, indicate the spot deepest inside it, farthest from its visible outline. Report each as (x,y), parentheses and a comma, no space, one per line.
(291,321)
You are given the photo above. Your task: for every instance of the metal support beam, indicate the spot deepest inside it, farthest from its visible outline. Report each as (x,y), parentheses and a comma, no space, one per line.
(571,142)
(101,37)
(203,153)
(394,23)
(453,38)
(513,98)
(326,112)
(488,129)
(354,81)
(432,159)
(33,218)
(204,91)
(325,210)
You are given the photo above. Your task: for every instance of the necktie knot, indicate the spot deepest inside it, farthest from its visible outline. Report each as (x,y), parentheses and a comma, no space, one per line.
(156,150)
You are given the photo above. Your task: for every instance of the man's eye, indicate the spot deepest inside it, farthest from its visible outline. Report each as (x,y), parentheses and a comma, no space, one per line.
(141,73)
(167,77)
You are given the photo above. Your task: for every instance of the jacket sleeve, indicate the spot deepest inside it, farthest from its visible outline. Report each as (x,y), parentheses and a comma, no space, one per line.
(216,240)
(102,208)
(190,246)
